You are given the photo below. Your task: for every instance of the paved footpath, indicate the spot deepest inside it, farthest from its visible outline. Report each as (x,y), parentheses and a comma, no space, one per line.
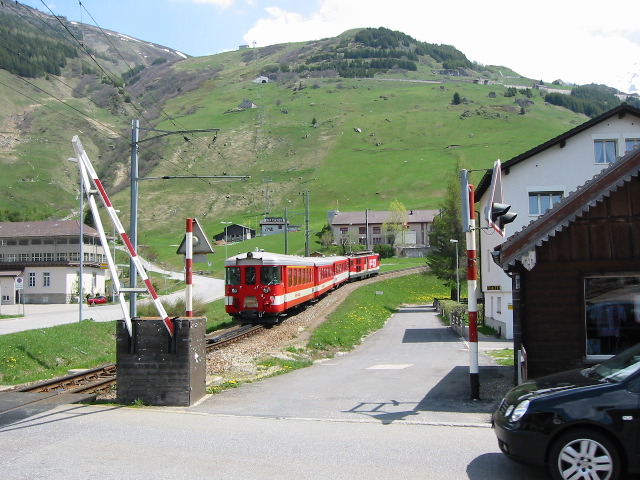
(396,407)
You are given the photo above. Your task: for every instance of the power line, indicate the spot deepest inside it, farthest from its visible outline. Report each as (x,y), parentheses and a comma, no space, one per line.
(108,74)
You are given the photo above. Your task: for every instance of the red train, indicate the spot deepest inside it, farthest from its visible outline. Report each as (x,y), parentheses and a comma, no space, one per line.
(260,286)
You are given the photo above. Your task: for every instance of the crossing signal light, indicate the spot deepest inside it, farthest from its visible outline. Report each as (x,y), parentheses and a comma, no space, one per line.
(500,216)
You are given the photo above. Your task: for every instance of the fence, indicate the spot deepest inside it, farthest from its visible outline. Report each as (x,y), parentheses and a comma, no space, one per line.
(455,315)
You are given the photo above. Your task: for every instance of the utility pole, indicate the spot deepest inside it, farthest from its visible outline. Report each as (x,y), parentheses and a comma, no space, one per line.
(305,194)
(133,225)
(286,232)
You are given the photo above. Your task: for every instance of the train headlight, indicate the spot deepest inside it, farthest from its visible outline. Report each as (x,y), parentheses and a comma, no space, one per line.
(266,289)
(234,290)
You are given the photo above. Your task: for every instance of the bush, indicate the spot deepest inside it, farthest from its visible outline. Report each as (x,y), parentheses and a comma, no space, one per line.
(384,250)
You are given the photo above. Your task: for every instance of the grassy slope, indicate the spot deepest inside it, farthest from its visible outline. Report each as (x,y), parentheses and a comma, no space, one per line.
(414,125)
(411,138)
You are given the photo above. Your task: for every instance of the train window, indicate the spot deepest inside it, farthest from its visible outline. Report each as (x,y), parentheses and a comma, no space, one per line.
(270,276)
(232,276)
(250,275)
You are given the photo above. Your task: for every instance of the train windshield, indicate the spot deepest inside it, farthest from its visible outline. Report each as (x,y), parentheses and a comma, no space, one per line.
(250,275)
(270,276)
(232,276)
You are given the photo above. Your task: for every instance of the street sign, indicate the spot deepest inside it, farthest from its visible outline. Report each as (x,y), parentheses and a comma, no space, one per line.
(19,283)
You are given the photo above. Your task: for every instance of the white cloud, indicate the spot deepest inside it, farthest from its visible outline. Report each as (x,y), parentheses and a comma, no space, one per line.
(219,3)
(572,40)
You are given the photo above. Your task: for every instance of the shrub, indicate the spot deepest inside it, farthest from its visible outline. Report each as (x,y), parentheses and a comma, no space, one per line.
(384,250)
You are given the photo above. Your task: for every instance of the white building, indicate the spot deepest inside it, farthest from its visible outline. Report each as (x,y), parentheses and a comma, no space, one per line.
(536,180)
(39,262)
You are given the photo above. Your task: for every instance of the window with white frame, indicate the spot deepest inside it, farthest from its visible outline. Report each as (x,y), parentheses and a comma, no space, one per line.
(11,257)
(540,202)
(46,279)
(344,230)
(605,151)
(37,257)
(48,257)
(24,257)
(631,143)
(32,279)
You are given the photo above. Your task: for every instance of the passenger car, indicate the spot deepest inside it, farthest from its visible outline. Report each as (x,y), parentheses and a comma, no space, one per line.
(581,423)
(96,300)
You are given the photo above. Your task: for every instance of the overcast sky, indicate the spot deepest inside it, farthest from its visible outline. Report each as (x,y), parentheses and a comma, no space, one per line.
(573,40)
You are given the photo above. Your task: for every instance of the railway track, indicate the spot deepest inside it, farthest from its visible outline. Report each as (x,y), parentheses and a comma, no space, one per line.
(215,342)
(96,380)
(103,379)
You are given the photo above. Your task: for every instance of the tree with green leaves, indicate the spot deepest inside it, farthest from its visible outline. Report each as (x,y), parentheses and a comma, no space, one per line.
(325,236)
(446,227)
(396,223)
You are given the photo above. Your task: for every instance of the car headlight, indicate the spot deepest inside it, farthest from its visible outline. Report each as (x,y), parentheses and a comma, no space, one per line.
(234,290)
(520,410)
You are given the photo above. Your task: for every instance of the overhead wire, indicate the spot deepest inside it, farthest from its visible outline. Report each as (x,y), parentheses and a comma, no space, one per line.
(155,101)
(113,78)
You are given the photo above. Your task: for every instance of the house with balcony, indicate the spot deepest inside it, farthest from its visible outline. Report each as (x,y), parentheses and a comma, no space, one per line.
(537,180)
(39,262)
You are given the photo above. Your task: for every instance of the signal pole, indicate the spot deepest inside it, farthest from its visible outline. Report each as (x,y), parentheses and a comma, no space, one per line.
(469,227)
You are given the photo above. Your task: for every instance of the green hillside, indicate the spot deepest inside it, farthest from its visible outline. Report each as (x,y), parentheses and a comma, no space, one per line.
(352,142)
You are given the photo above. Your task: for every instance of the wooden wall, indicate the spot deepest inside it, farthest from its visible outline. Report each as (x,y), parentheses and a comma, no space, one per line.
(606,239)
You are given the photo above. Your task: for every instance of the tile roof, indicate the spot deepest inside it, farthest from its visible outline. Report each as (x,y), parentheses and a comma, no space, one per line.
(52,228)
(357,218)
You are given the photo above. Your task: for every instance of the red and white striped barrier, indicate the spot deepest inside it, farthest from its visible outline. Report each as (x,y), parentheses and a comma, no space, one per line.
(88,169)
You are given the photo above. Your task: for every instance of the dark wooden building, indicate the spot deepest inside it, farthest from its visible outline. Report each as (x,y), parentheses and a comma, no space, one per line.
(576,274)
(235,233)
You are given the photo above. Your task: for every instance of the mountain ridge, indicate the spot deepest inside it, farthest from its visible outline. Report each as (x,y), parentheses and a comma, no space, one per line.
(356,142)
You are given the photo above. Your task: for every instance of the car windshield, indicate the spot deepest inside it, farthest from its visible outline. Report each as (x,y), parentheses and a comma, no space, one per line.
(619,367)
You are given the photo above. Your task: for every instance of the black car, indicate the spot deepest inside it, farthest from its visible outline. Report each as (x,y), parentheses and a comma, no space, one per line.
(580,424)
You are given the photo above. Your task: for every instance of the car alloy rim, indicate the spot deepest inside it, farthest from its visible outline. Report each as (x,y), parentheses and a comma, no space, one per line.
(585,458)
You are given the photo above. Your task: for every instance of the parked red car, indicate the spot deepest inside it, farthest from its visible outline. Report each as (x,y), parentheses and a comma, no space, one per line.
(96,300)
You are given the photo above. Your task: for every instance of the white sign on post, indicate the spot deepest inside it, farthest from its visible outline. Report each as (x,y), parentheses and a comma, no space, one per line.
(19,283)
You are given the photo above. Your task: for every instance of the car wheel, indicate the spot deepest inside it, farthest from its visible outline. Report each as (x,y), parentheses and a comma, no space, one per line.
(584,454)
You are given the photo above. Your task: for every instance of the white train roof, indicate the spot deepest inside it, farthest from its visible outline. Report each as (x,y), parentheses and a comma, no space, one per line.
(267,258)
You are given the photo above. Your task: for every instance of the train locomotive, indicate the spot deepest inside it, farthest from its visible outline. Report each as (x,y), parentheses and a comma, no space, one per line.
(260,286)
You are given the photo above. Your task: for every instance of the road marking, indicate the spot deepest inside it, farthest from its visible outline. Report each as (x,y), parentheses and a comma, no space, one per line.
(389,366)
